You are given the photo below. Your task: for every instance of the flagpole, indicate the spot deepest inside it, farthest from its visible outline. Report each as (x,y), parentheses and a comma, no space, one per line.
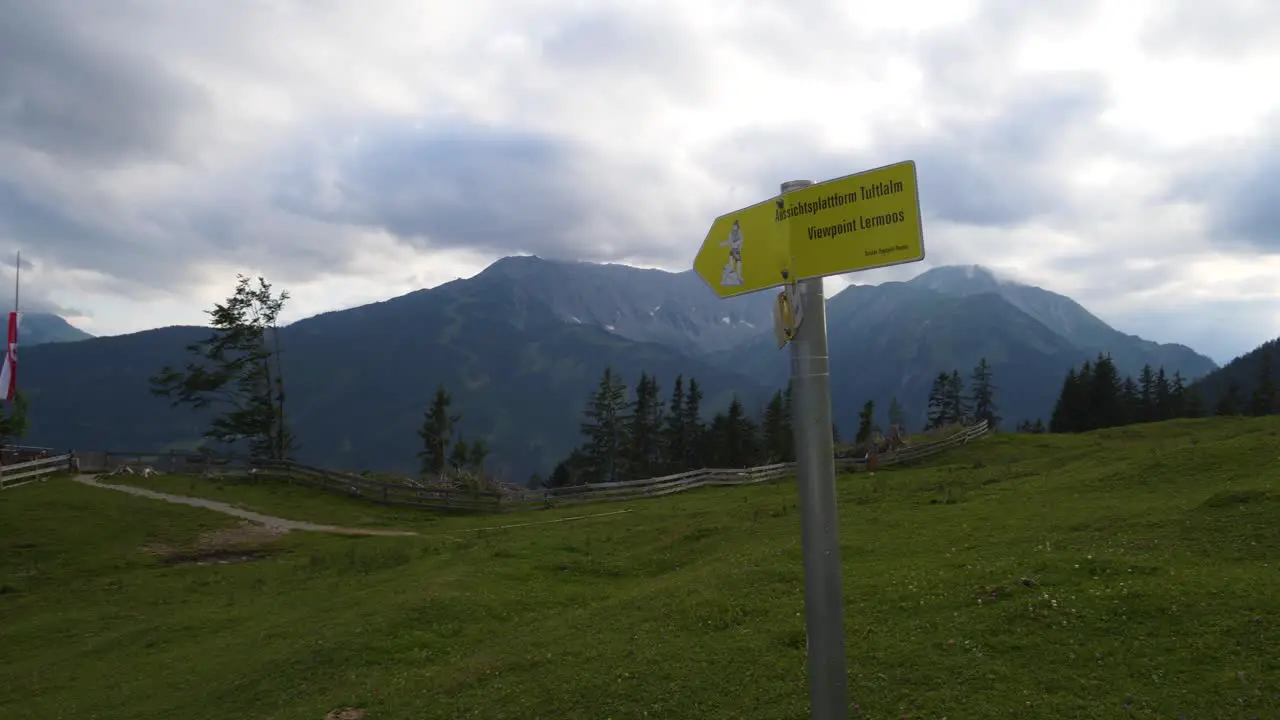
(17,275)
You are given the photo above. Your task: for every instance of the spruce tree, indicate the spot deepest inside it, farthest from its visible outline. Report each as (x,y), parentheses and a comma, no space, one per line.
(1131,400)
(1229,403)
(477,454)
(460,455)
(895,414)
(957,403)
(1065,409)
(695,429)
(1147,395)
(438,425)
(677,436)
(937,408)
(1105,407)
(604,426)
(644,434)
(1263,399)
(788,427)
(1083,399)
(866,422)
(1164,408)
(1177,396)
(742,441)
(1193,402)
(773,430)
(570,471)
(984,395)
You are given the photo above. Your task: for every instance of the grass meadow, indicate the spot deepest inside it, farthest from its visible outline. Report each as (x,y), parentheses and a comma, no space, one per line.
(1128,573)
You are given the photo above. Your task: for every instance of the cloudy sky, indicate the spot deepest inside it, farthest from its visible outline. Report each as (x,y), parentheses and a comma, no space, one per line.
(1124,153)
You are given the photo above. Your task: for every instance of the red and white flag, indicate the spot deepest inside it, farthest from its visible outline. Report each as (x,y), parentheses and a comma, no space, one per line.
(9,371)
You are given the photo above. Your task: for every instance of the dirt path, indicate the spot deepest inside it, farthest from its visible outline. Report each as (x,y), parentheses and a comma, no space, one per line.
(267,521)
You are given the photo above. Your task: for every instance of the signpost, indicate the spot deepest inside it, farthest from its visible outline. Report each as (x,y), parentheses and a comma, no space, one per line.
(807,232)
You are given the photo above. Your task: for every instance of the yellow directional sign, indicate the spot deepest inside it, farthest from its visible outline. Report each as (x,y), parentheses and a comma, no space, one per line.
(744,252)
(857,222)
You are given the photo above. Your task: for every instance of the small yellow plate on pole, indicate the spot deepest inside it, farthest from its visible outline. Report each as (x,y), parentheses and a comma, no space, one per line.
(788,313)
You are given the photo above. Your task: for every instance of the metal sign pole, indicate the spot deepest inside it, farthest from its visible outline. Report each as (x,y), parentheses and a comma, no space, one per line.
(820,534)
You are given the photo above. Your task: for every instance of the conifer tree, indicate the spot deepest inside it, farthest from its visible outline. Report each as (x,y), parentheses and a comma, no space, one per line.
(1147,395)
(732,439)
(773,429)
(1193,403)
(788,427)
(1229,403)
(477,454)
(957,403)
(694,427)
(1177,396)
(866,422)
(895,413)
(984,395)
(644,434)
(1066,409)
(438,425)
(937,408)
(1131,400)
(460,455)
(676,439)
(1104,406)
(604,426)
(570,471)
(1164,408)
(1263,399)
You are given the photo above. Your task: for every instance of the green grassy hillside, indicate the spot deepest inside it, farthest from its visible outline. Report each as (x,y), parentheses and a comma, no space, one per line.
(1126,573)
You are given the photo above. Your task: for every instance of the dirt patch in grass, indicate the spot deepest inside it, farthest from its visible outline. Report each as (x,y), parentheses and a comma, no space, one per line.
(345,714)
(245,543)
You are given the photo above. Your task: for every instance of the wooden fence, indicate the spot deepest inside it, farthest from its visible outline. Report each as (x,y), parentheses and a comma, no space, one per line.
(489,501)
(421,495)
(172,461)
(32,470)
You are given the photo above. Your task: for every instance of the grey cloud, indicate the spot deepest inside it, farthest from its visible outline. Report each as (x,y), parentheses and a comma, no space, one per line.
(966,63)
(33,297)
(40,304)
(53,232)
(997,171)
(1001,172)
(1223,329)
(1223,28)
(67,92)
(1239,188)
(605,42)
(486,189)
(21,263)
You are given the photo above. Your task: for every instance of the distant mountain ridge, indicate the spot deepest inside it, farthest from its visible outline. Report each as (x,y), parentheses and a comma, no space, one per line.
(890,340)
(640,304)
(35,328)
(1066,317)
(1240,378)
(522,344)
(359,380)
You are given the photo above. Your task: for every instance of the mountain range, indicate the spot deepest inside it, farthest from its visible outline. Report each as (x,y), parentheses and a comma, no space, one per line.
(521,346)
(36,328)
